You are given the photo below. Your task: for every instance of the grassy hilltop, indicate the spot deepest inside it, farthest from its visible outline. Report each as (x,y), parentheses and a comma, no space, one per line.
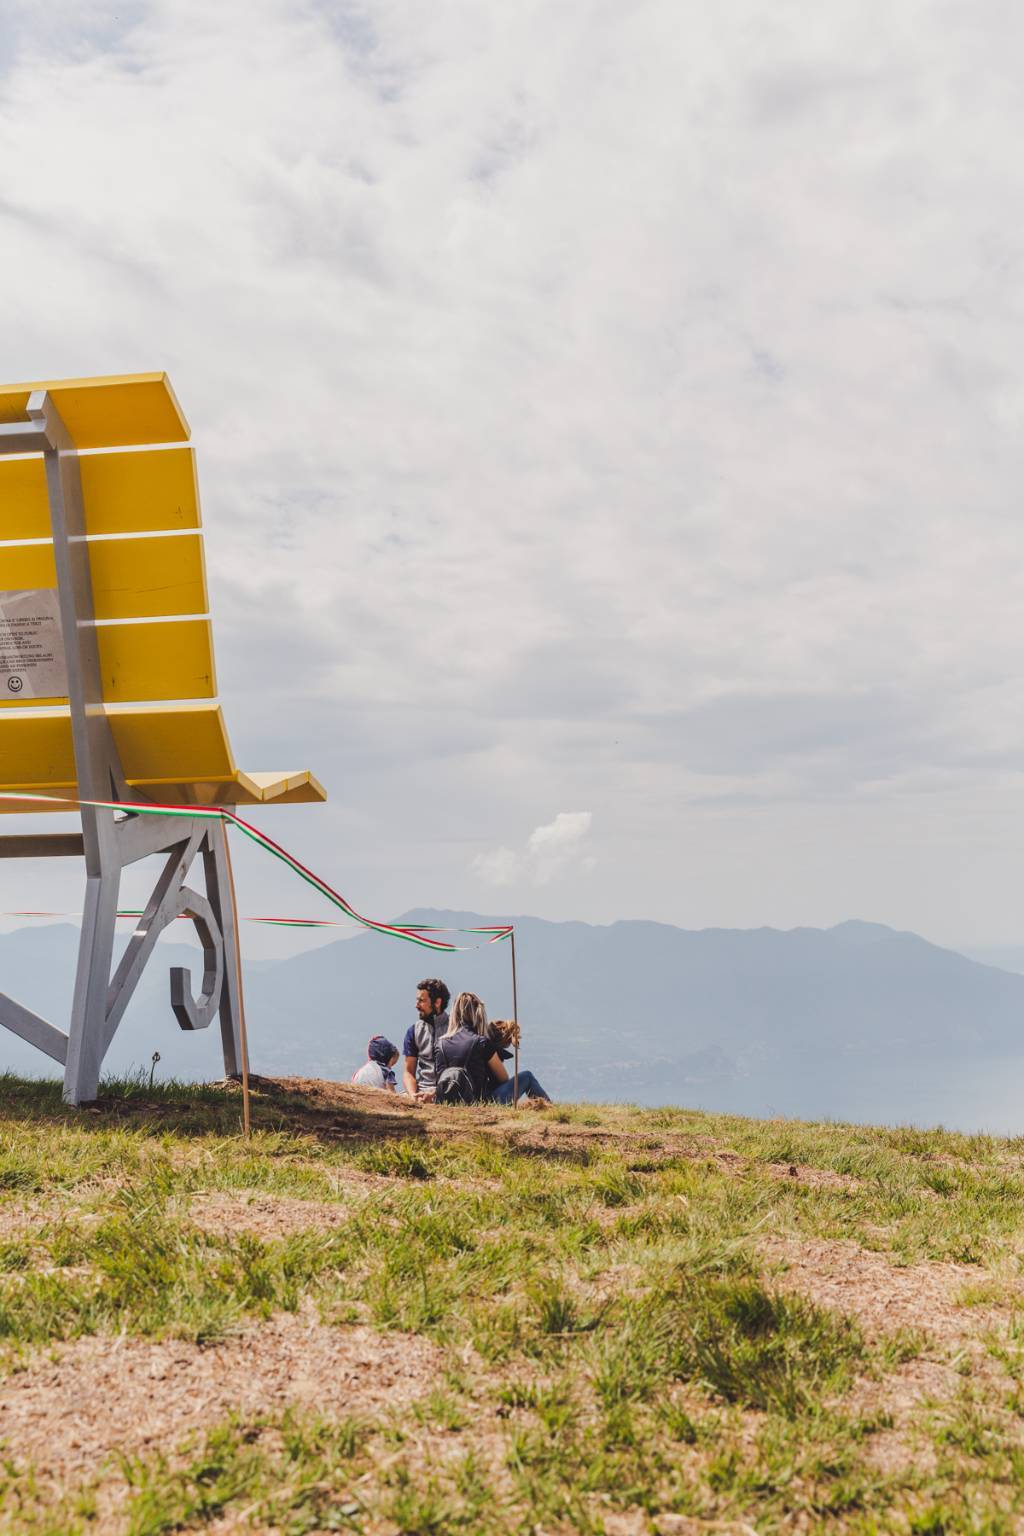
(377,1319)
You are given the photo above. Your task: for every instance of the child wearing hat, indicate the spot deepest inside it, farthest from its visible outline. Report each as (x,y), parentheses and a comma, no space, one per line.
(377,1070)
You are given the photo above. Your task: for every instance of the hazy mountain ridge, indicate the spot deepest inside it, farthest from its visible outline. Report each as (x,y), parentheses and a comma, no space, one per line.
(857,1021)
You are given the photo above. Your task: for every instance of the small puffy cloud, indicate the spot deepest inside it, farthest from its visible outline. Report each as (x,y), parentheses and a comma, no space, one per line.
(554,847)
(551,850)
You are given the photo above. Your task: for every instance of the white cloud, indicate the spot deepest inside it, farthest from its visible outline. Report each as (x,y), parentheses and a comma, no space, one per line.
(558,846)
(552,850)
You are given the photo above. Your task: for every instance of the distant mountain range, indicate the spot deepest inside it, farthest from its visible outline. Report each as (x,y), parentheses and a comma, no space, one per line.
(1007,957)
(853,1022)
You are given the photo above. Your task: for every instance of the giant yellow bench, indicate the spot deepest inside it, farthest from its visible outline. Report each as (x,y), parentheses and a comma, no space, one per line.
(108,691)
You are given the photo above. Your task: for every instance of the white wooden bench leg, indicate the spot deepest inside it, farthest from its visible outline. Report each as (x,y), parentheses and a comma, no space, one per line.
(218,890)
(99,1001)
(86,1046)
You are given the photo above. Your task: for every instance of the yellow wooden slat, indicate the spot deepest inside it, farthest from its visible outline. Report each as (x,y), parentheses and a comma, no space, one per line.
(157,661)
(24,508)
(122,493)
(146,578)
(26,565)
(286,788)
(131,578)
(117,411)
(140,492)
(187,743)
(144,662)
(36,751)
(179,742)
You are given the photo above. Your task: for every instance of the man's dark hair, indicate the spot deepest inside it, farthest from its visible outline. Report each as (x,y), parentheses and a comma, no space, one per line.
(434,989)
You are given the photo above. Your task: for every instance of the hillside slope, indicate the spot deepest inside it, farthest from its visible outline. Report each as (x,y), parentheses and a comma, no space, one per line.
(384,1319)
(856,1022)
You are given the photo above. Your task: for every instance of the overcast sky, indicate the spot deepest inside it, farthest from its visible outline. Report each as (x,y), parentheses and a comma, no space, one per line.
(610,429)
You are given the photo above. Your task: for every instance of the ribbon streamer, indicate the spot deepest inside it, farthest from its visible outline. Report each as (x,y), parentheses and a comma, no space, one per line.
(279,922)
(413,933)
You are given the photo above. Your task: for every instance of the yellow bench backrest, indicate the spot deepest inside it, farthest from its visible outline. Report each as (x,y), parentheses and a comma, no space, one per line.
(137,576)
(153,631)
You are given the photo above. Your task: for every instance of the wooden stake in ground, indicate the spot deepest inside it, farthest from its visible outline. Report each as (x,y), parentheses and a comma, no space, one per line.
(515,1018)
(242,1037)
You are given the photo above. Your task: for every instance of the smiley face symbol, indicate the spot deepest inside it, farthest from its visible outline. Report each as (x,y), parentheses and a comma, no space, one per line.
(15,684)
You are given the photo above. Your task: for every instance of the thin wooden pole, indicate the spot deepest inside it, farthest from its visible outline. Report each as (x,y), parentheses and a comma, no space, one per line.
(515,1020)
(242,1036)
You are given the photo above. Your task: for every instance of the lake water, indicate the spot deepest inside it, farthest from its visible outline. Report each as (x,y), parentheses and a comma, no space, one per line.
(984,1097)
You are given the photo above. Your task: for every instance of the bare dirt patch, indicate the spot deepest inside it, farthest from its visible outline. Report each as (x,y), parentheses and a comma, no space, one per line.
(880,1295)
(324,1095)
(66,1415)
(18,1222)
(813,1178)
(899,1395)
(885,1298)
(318,1104)
(271,1217)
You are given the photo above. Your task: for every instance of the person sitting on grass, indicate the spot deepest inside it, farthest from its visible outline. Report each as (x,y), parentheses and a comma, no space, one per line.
(419,1072)
(470,1062)
(466,1057)
(378,1070)
(505,1032)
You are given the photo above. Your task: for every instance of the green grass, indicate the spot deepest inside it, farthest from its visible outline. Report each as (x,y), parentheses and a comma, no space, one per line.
(613,1335)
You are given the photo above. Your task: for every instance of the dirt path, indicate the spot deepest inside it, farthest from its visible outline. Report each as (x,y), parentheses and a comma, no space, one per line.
(67,1414)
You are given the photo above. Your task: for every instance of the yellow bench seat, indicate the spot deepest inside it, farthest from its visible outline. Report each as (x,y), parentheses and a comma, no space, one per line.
(176,754)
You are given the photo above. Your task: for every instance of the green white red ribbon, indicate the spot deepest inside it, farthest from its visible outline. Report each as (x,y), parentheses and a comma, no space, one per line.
(278,922)
(412,933)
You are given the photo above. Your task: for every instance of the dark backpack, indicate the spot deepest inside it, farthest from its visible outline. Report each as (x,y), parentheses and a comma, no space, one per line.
(455,1086)
(462,1076)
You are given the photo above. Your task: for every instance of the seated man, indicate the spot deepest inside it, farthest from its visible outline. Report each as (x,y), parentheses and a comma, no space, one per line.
(419,1071)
